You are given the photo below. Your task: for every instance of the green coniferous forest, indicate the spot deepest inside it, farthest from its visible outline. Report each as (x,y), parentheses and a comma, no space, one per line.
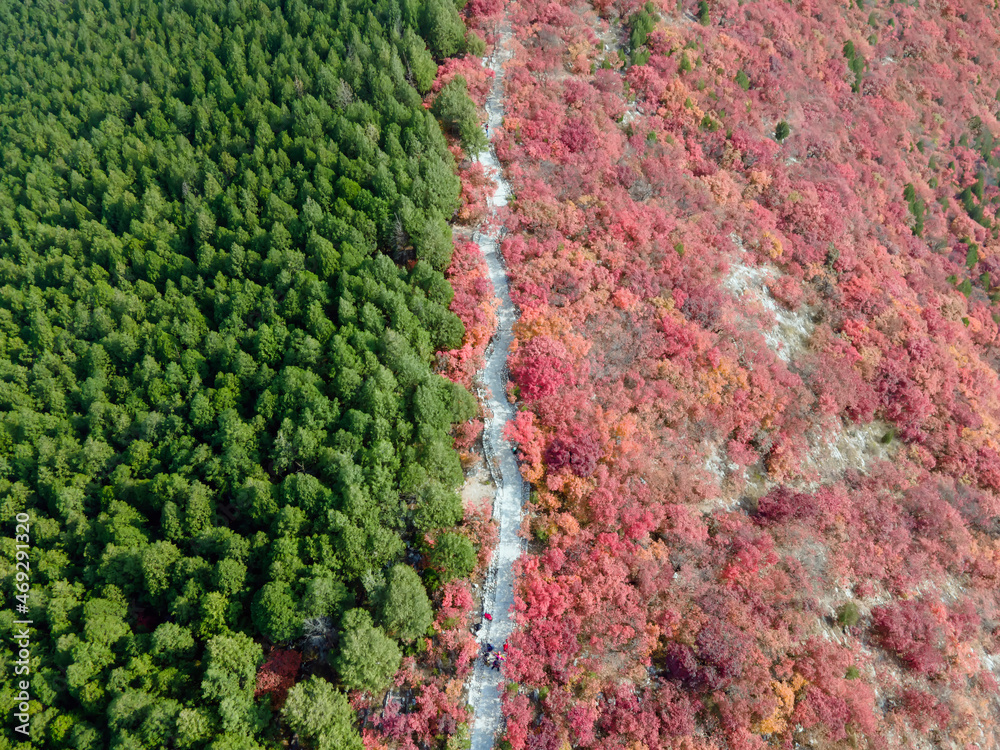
(223,229)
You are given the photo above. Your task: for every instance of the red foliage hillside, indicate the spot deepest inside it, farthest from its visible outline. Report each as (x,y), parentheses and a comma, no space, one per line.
(757,373)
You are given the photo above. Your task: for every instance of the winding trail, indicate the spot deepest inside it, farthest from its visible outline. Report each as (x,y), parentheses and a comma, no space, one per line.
(512,490)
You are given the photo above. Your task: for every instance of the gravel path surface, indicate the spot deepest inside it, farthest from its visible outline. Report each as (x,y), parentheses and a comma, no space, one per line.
(512,490)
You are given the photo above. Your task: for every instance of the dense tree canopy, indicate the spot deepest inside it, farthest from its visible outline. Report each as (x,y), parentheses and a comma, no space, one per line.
(367,658)
(453,106)
(223,230)
(405,609)
(321,716)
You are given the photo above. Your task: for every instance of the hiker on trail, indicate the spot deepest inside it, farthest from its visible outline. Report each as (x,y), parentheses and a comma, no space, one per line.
(504,646)
(488,616)
(489,647)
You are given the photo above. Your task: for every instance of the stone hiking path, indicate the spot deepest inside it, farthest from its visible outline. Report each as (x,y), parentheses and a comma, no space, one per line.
(512,490)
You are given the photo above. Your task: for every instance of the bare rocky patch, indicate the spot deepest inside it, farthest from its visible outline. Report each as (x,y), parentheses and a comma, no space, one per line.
(789,336)
(478,490)
(833,450)
(834,446)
